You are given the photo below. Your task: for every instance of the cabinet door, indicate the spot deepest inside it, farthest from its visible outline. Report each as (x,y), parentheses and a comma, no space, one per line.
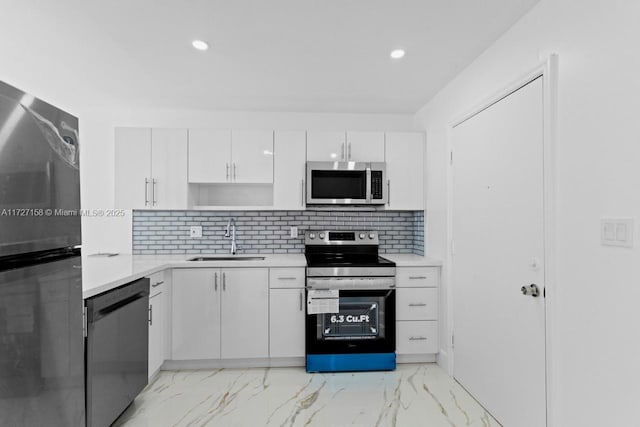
(404,153)
(286,322)
(196,314)
(132,168)
(245,313)
(289,170)
(365,146)
(169,168)
(252,156)
(209,156)
(156,331)
(326,146)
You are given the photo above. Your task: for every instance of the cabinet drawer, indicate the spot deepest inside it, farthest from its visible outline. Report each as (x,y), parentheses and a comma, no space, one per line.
(156,283)
(416,337)
(417,304)
(417,277)
(286,277)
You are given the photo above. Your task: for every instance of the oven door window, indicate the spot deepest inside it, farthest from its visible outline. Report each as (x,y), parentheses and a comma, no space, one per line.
(358,319)
(338,184)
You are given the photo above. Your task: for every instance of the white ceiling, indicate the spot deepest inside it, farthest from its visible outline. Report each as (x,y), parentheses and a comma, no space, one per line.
(285,55)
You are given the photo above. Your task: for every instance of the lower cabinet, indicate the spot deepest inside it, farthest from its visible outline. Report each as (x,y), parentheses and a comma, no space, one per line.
(286,312)
(220,313)
(156,322)
(417,310)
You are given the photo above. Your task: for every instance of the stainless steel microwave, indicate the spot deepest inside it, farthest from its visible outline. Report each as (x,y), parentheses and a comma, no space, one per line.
(346,183)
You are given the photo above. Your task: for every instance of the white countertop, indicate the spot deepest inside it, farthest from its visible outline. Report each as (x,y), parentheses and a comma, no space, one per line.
(101,274)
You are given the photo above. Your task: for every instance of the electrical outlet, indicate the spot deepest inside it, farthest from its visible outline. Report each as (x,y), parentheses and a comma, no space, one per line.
(294,231)
(196,232)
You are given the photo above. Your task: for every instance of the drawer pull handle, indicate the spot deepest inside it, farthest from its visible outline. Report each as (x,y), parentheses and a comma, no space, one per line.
(155,285)
(417,277)
(417,304)
(417,338)
(287,278)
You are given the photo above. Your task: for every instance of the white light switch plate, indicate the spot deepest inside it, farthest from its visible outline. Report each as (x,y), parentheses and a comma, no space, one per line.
(617,232)
(195,232)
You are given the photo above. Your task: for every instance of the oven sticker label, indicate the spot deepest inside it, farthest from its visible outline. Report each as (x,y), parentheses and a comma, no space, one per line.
(323,301)
(363,318)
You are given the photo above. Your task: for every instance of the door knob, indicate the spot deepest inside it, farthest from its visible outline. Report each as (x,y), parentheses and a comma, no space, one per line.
(531,290)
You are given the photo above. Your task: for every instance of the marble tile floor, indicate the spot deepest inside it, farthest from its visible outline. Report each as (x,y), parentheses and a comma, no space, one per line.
(412,395)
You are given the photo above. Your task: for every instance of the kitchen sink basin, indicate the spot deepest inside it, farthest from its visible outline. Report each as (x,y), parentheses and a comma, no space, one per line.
(227,258)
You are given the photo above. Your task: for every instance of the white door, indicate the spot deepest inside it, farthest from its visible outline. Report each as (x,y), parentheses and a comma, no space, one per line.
(132,168)
(169,168)
(326,146)
(286,322)
(245,313)
(404,152)
(209,156)
(498,224)
(196,314)
(365,146)
(289,169)
(252,156)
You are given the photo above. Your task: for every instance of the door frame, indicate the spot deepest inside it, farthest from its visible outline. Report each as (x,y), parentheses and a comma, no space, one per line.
(548,69)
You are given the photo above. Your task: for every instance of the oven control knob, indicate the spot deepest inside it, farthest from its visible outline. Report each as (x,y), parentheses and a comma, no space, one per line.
(361,235)
(321,235)
(372,236)
(312,235)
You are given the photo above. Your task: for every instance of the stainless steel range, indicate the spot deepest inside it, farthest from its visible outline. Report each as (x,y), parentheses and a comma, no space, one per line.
(350,321)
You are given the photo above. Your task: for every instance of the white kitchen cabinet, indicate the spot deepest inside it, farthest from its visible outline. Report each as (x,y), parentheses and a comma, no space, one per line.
(157,322)
(245,313)
(332,146)
(196,314)
(222,156)
(289,170)
(209,156)
(150,168)
(286,312)
(220,313)
(404,154)
(365,146)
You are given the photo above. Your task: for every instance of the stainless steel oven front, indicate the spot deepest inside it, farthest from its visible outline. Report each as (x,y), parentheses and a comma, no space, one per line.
(346,183)
(360,334)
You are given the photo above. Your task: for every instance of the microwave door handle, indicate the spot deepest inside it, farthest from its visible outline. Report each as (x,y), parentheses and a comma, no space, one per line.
(368,185)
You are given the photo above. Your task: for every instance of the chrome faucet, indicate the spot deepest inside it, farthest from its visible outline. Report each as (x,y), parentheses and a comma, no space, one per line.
(231,233)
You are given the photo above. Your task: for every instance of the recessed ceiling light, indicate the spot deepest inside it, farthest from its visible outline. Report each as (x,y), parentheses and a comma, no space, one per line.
(200,44)
(397,53)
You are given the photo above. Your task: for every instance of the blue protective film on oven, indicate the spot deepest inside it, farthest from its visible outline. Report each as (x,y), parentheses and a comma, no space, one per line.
(351,362)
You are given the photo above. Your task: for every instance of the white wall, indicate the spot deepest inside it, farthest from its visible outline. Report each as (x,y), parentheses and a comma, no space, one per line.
(596,348)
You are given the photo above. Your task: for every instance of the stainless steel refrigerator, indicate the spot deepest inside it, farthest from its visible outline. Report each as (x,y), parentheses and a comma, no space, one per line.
(41,306)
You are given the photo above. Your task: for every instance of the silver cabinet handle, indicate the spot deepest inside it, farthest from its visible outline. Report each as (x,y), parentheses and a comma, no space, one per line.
(349,156)
(301,292)
(155,285)
(388,192)
(302,193)
(154,201)
(227,175)
(417,277)
(417,304)
(417,338)
(234,171)
(343,151)
(224,282)
(215,281)
(146,191)
(286,278)
(150,315)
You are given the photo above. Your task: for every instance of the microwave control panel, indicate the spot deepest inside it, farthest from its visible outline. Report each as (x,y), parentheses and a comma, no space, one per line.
(376,184)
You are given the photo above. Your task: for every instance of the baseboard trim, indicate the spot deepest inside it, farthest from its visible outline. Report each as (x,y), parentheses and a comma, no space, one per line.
(280,362)
(415,358)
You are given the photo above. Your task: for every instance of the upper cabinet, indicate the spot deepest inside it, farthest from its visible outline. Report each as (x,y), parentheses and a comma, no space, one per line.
(289,170)
(404,153)
(222,156)
(150,168)
(345,146)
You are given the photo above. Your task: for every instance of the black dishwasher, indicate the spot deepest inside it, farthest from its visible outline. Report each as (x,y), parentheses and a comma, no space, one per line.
(117,350)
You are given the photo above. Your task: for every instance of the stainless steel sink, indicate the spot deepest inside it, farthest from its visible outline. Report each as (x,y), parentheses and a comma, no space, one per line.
(227,258)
